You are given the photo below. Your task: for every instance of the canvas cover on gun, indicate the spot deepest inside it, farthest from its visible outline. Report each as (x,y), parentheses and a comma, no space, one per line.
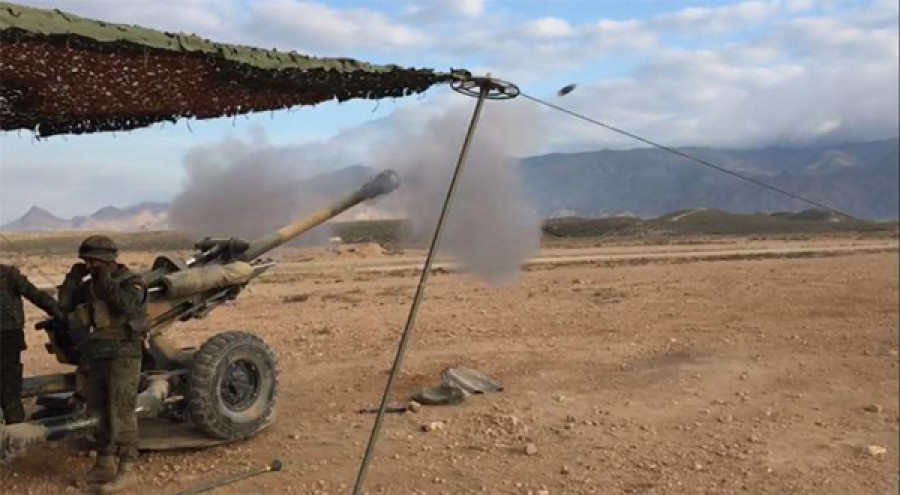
(205,278)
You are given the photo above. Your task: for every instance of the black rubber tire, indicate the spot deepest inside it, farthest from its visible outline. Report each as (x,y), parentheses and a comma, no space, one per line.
(212,410)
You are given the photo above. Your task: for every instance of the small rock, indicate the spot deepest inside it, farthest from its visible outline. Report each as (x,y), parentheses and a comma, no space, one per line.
(414,406)
(433,426)
(873,408)
(531,449)
(876,450)
(564,470)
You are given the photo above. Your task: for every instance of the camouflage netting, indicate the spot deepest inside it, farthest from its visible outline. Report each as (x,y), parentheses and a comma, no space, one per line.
(63,74)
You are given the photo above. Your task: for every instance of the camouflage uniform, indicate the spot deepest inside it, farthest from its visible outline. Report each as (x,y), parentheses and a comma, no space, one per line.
(112,305)
(13,287)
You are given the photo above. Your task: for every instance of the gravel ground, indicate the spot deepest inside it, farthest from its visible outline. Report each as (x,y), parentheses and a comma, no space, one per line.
(774,375)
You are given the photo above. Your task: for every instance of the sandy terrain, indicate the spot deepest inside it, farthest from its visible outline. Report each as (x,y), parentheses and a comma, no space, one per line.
(693,374)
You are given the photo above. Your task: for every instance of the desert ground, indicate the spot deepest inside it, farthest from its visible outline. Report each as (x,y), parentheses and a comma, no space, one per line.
(732,365)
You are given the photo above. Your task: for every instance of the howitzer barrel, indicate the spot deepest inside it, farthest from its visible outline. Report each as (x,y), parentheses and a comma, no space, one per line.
(383,183)
(20,436)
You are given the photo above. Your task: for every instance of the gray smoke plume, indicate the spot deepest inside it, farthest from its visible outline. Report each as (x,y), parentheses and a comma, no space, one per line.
(247,188)
(491,227)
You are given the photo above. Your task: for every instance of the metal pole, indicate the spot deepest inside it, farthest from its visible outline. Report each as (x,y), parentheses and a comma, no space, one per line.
(426,270)
(273,467)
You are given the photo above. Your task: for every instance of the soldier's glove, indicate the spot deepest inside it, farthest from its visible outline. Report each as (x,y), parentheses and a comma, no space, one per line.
(78,271)
(102,275)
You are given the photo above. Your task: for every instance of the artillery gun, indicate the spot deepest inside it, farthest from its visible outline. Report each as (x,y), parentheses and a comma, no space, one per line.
(223,391)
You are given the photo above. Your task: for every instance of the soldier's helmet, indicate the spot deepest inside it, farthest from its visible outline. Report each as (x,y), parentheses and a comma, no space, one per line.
(98,247)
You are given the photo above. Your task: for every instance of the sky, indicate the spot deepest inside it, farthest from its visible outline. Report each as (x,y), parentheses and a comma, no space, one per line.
(684,73)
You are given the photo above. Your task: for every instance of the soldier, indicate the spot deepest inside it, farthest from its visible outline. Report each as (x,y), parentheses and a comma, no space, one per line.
(110,301)
(13,287)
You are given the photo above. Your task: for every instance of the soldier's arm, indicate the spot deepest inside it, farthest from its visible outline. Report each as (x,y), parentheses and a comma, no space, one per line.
(126,294)
(36,296)
(69,287)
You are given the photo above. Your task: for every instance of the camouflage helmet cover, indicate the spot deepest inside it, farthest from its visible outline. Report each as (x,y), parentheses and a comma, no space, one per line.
(98,247)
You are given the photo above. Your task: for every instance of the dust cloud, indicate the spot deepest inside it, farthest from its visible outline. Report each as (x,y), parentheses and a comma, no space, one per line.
(249,187)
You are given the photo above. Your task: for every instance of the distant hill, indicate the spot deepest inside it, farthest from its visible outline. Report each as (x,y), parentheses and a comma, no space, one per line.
(700,221)
(703,221)
(36,219)
(147,216)
(860,179)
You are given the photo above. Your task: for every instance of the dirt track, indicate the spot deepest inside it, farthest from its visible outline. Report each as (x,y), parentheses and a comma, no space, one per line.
(728,376)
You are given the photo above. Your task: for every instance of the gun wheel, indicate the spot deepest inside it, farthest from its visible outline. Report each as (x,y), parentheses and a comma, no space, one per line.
(233,383)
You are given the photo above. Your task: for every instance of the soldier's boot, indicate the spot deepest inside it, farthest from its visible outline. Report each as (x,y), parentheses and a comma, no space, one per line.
(10,394)
(13,411)
(125,477)
(104,470)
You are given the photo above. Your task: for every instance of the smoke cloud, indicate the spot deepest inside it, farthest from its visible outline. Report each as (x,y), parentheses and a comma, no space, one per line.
(249,187)
(491,227)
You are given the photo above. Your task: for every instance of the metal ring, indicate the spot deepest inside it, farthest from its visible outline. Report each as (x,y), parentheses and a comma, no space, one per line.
(498,89)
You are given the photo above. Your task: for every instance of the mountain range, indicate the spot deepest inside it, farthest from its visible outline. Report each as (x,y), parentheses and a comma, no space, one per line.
(860,179)
(140,217)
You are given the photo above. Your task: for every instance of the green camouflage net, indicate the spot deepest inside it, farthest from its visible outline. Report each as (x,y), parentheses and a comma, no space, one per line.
(63,74)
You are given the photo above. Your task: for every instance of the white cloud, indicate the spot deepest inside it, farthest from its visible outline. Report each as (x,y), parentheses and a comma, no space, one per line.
(878,14)
(469,8)
(811,80)
(208,18)
(705,20)
(699,21)
(534,49)
(830,38)
(434,11)
(606,36)
(548,27)
(315,27)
